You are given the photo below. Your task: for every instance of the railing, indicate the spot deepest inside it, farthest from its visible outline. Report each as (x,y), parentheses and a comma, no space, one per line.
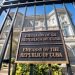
(9,37)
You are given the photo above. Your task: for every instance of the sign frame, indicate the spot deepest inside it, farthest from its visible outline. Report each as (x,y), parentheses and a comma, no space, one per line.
(45,62)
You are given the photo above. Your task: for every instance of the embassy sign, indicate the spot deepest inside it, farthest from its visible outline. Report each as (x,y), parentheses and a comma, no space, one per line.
(41,47)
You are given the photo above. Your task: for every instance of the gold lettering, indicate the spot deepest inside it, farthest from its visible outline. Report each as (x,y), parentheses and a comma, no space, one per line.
(58,55)
(45,49)
(53,34)
(54,49)
(55,55)
(45,55)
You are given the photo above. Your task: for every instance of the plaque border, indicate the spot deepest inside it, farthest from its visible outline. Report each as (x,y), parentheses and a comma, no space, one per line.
(45,62)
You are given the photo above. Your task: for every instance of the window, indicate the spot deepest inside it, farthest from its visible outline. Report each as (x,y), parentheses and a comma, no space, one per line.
(64,22)
(0,49)
(53,20)
(8,22)
(62,17)
(65,31)
(42,24)
(36,24)
(73,50)
(31,22)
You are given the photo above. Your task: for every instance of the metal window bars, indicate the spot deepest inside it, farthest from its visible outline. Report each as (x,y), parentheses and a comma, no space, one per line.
(21,3)
(6,41)
(58,22)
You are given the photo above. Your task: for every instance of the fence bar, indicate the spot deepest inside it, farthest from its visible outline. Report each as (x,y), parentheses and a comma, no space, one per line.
(31,69)
(14,69)
(69,67)
(49,65)
(69,70)
(7,39)
(23,19)
(32,65)
(1,28)
(34,17)
(57,19)
(1,10)
(32,3)
(45,17)
(10,52)
(68,15)
(8,15)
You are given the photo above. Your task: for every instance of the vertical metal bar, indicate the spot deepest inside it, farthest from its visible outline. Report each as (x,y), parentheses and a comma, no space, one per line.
(73,4)
(15,65)
(69,17)
(49,65)
(23,19)
(69,67)
(7,39)
(31,69)
(4,21)
(34,17)
(1,10)
(57,19)
(14,69)
(31,65)
(58,23)
(8,15)
(11,38)
(10,52)
(45,17)
(69,70)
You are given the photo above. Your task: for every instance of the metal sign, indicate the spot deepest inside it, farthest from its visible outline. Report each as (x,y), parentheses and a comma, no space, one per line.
(41,47)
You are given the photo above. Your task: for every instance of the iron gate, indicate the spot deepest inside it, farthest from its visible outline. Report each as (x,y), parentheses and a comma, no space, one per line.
(8,5)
